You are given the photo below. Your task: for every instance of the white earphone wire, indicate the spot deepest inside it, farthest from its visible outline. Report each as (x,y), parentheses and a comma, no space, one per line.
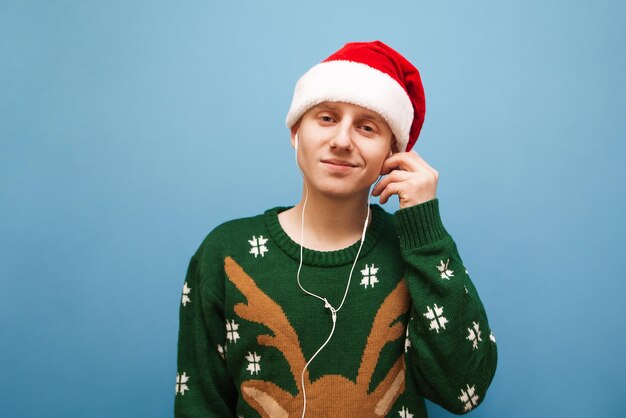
(327,305)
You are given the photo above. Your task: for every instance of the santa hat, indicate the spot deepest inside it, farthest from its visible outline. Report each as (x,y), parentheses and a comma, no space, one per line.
(371,75)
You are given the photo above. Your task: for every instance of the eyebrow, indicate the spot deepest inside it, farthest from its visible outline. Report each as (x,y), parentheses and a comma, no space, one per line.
(366,113)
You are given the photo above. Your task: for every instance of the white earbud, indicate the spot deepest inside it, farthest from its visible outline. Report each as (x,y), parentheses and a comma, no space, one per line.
(334,311)
(296,141)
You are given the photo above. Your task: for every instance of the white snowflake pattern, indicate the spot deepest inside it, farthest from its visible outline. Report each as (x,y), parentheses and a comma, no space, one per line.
(231,331)
(404,413)
(253,362)
(222,351)
(474,335)
(469,398)
(258,246)
(492,337)
(407,342)
(436,317)
(369,275)
(181,383)
(186,291)
(446,273)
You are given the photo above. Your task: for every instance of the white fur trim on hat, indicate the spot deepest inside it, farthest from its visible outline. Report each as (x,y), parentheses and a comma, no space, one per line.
(355,83)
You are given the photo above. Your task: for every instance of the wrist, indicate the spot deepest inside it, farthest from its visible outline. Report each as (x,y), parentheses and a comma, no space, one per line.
(420,224)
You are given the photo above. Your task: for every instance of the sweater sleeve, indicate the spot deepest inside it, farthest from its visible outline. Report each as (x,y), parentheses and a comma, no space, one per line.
(450,350)
(203,386)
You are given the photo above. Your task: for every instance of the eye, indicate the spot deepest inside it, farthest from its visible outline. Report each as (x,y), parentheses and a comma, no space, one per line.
(326,118)
(368,128)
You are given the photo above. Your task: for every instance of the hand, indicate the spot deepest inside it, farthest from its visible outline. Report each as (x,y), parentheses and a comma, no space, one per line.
(408,176)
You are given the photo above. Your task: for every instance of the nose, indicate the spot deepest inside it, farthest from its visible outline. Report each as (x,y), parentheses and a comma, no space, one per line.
(342,138)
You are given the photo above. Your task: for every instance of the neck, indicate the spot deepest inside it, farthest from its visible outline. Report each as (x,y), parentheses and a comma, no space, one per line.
(330,223)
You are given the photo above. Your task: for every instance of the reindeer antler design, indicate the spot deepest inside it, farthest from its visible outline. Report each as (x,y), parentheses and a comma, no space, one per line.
(382,332)
(332,392)
(263,310)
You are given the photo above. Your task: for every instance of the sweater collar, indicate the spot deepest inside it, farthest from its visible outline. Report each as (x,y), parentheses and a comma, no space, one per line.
(325,258)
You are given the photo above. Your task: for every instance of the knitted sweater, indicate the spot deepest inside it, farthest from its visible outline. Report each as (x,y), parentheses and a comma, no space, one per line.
(412,325)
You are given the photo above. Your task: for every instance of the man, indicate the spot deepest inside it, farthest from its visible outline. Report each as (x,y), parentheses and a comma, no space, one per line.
(333,307)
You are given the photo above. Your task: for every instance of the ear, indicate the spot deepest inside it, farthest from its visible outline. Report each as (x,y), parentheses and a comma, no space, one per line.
(294,131)
(394,145)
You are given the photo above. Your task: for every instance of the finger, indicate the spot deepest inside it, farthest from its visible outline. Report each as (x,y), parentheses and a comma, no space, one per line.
(424,164)
(390,190)
(394,176)
(402,161)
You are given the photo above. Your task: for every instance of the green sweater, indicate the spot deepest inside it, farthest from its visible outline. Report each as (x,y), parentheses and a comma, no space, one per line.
(412,325)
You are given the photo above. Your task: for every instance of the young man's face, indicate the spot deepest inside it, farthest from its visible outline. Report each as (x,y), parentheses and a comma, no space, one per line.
(341,148)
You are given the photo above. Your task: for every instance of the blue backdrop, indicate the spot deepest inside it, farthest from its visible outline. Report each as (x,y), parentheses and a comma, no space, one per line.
(128,130)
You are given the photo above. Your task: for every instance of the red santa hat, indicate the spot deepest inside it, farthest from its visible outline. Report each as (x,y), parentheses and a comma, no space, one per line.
(371,75)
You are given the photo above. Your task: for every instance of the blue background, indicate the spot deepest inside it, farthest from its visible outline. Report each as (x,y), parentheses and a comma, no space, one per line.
(128,130)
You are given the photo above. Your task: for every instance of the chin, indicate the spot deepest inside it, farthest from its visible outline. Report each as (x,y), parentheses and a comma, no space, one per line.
(342,191)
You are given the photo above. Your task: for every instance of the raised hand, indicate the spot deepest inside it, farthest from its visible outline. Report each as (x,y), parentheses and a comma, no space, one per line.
(407,175)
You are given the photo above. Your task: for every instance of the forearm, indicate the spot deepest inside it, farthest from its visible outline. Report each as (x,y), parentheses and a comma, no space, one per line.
(451,350)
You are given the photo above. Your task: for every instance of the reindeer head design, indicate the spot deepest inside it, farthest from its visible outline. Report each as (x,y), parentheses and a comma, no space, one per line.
(333,394)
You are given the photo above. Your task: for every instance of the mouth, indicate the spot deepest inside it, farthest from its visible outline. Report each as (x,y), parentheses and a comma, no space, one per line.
(341,163)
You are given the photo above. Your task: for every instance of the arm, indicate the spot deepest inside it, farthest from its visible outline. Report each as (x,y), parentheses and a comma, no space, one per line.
(203,386)
(451,352)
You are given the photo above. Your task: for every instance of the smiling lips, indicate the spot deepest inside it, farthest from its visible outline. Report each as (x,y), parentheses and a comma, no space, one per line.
(338,166)
(333,161)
